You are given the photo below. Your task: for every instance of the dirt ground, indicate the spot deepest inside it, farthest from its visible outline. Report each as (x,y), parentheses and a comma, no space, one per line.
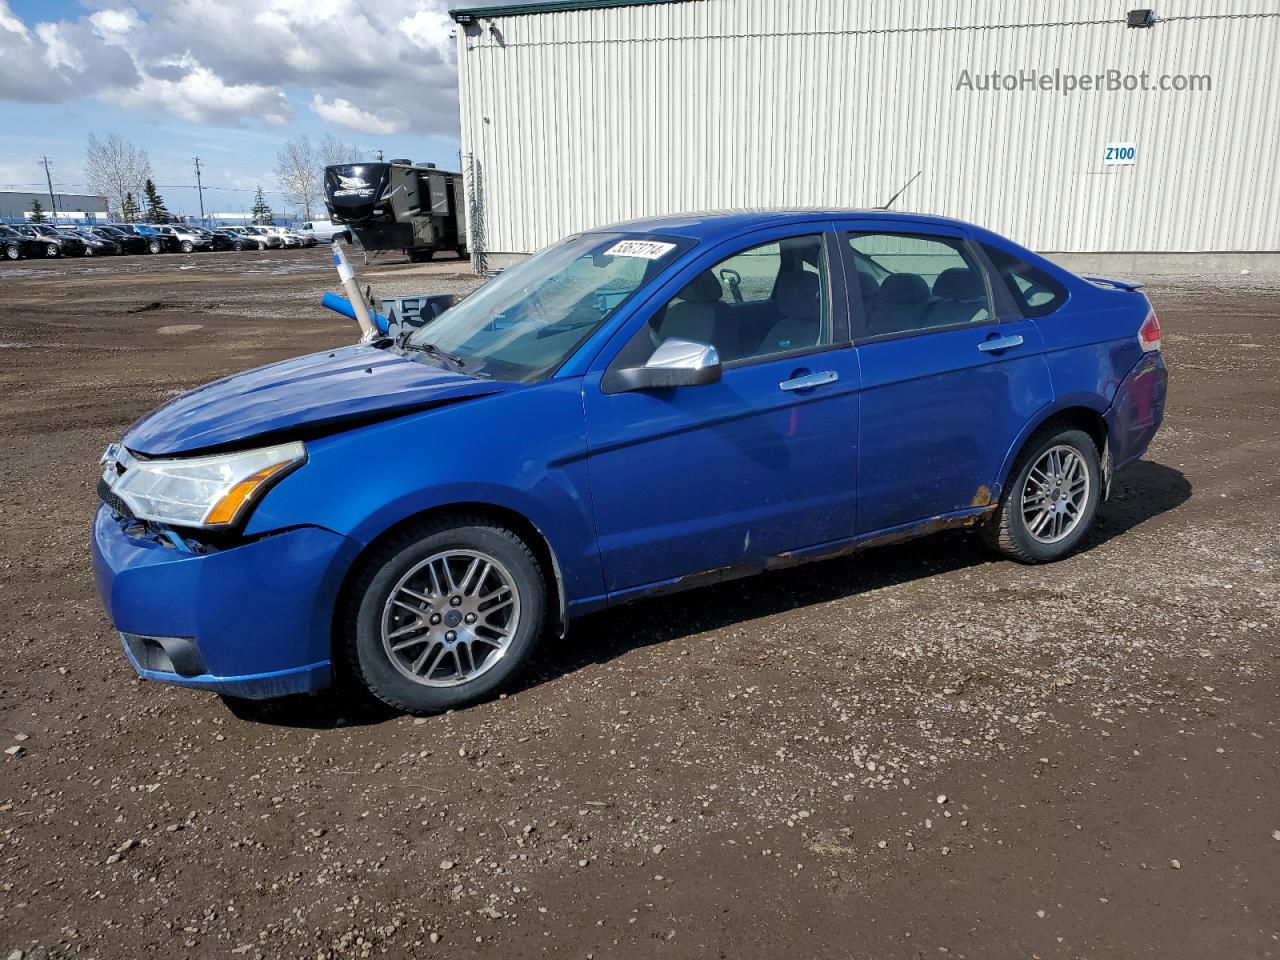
(919,751)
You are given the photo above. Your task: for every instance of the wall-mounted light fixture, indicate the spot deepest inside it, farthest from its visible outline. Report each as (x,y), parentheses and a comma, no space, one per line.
(1141,18)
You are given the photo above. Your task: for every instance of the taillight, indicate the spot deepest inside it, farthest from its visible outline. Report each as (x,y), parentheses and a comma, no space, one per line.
(1149,333)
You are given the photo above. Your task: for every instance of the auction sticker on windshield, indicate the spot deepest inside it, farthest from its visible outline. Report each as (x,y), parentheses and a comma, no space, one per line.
(647,249)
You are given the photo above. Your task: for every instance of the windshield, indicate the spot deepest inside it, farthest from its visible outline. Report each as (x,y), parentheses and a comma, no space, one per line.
(528,320)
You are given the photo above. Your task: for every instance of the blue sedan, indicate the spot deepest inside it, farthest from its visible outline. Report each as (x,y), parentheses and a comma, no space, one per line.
(635,410)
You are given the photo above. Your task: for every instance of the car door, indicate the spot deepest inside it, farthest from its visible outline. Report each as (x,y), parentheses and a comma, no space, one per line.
(951,372)
(717,478)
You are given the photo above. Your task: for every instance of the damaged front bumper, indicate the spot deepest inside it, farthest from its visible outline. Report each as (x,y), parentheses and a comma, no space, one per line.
(251,620)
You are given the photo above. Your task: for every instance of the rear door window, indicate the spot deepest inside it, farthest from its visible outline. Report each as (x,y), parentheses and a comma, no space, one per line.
(910,283)
(1034,291)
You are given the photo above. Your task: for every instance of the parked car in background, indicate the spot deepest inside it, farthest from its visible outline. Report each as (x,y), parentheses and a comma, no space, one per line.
(273,241)
(158,241)
(287,238)
(242,239)
(759,389)
(57,243)
(129,242)
(190,239)
(94,245)
(15,245)
(326,230)
(304,239)
(217,239)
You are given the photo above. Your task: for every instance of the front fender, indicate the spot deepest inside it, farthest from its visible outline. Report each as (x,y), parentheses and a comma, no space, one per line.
(522,451)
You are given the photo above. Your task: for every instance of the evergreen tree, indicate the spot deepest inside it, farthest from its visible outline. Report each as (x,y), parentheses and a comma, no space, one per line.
(37,211)
(129,211)
(262,214)
(156,210)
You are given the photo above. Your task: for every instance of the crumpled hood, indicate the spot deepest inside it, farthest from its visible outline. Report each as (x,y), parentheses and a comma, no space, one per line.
(306,394)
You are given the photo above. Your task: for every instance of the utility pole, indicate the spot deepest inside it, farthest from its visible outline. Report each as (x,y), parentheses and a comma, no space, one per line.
(200,189)
(53,204)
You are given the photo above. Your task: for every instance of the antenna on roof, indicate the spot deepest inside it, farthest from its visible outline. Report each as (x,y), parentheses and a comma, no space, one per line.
(901,192)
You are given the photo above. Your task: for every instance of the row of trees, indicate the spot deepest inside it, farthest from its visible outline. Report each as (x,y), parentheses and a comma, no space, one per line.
(121,172)
(300,168)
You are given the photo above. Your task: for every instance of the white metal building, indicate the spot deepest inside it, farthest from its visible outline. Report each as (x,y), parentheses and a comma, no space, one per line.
(577,113)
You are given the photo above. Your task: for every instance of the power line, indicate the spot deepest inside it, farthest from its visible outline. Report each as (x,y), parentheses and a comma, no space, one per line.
(200,188)
(53,204)
(159,186)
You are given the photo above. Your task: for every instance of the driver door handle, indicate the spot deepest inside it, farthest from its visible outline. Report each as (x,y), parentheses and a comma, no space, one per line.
(809,380)
(1000,343)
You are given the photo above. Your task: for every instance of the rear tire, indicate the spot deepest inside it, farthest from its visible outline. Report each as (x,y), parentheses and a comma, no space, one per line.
(153,246)
(12,252)
(1051,499)
(465,631)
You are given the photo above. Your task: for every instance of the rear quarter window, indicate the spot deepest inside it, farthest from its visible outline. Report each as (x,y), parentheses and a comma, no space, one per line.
(1036,292)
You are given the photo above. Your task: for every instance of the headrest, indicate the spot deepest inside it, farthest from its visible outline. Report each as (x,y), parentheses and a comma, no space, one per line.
(796,293)
(904,288)
(958,283)
(870,287)
(704,288)
(807,249)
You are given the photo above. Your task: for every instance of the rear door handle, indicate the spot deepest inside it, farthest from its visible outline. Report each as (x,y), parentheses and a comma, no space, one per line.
(809,380)
(1000,343)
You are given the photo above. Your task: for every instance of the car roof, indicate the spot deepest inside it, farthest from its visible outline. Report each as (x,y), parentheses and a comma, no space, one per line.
(718,224)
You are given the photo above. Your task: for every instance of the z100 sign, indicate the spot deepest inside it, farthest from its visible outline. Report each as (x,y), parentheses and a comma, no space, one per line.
(1119,153)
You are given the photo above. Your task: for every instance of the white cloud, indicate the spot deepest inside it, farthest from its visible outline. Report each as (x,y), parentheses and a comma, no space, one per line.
(10,22)
(57,51)
(114,26)
(429,30)
(201,96)
(377,68)
(346,114)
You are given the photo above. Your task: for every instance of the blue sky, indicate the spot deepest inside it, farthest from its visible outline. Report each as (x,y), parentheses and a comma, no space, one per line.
(227,80)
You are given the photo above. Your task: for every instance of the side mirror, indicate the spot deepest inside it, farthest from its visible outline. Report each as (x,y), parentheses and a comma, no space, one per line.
(676,363)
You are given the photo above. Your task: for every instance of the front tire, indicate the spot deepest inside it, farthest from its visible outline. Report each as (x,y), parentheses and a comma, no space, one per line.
(187,246)
(444,614)
(154,246)
(1051,499)
(52,250)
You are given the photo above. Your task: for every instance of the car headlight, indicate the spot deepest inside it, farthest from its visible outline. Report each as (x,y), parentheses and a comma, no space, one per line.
(211,491)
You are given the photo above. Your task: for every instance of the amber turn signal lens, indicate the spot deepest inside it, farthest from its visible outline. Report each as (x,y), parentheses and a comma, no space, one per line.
(226,509)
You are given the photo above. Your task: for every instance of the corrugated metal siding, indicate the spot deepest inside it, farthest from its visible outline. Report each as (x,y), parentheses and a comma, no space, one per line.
(584,118)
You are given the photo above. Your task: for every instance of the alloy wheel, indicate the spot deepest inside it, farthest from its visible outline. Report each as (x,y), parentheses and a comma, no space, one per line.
(451,618)
(12,252)
(51,250)
(1055,494)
